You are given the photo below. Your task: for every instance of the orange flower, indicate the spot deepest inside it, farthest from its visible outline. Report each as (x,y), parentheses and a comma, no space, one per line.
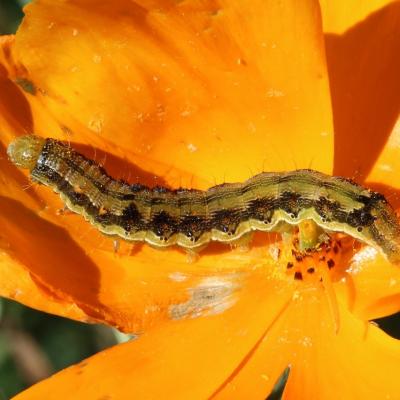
(188,94)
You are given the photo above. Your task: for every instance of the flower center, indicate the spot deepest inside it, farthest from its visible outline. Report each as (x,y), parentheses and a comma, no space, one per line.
(313,264)
(310,255)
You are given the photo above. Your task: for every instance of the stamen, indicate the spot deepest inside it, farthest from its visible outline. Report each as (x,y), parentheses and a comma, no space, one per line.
(116,245)
(331,296)
(243,243)
(192,256)
(315,265)
(310,235)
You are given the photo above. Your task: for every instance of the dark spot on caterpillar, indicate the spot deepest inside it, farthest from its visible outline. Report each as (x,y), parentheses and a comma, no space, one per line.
(103,217)
(138,187)
(372,199)
(192,226)
(160,189)
(289,202)
(360,217)
(131,219)
(289,265)
(311,270)
(77,198)
(226,220)
(181,190)
(154,201)
(163,225)
(184,191)
(261,209)
(328,210)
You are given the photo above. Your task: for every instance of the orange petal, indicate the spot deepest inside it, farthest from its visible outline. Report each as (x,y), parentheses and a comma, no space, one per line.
(208,349)
(14,108)
(324,365)
(386,172)
(372,286)
(20,109)
(363,60)
(197,86)
(182,90)
(239,353)
(360,362)
(363,64)
(340,15)
(17,284)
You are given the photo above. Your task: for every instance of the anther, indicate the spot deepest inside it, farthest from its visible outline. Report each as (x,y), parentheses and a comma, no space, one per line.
(298,276)
(330,263)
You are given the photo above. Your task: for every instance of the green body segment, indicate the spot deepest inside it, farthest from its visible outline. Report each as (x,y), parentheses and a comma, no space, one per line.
(192,218)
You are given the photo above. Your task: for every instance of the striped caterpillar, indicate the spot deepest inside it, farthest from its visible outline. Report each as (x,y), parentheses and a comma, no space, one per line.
(191,218)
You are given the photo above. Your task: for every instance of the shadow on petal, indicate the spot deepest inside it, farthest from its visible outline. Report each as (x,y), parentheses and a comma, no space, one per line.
(14,107)
(363,66)
(57,265)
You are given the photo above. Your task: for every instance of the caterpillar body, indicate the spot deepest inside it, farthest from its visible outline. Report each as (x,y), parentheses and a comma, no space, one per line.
(191,218)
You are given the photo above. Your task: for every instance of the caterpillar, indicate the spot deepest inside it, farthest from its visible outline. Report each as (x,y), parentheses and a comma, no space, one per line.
(192,218)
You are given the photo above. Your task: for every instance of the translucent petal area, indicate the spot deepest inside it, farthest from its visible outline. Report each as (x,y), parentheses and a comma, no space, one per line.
(340,15)
(204,87)
(53,261)
(187,359)
(372,285)
(363,65)
(21,110)
(17,284)
(360,362)
(324,364)
(14,108)
(238,353)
